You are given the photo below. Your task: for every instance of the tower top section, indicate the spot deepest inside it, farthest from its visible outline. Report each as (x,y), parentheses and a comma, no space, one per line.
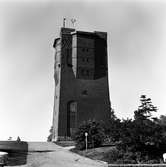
(74,32)
(66,30)
(85,52)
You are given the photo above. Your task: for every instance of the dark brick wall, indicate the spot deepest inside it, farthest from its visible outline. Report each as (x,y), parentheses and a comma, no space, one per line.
(91,95)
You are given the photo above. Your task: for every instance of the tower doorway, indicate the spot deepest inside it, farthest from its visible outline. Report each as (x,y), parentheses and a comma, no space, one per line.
(71,117)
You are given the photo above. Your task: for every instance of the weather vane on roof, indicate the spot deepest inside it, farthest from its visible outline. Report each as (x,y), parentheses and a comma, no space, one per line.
(73,21)
(64,22)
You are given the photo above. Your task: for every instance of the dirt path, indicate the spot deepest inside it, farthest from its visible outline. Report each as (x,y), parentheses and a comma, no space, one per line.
(42,154)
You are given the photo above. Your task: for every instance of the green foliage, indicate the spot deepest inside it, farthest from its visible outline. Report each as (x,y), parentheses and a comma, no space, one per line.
(142,136)
(162,120)
(138,140)
(113,156)
(49,138)
(112,130)
(145,110)
(95,137)
(162,123)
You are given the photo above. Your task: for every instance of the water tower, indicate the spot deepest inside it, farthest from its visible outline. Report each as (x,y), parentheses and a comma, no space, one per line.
(81,80)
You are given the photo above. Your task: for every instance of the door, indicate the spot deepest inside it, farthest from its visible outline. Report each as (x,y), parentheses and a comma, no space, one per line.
(71,118)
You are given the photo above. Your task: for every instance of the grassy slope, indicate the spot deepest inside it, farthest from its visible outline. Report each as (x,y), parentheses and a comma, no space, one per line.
(95,153)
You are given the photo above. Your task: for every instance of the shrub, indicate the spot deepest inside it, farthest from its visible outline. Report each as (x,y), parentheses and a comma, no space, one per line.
(120,157)
(95,136)
(112,156)
(113,128)
(49,138)
(142,139)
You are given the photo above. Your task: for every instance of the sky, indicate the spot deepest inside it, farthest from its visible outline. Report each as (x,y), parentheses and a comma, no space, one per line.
(136,53)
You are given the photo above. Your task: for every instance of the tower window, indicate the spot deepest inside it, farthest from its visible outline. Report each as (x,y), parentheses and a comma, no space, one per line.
(84,92)
(73,107)
(82,71)
(85,59)
(85,49)
(85,72)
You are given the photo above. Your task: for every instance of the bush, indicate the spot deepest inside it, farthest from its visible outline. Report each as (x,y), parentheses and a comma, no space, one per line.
(49,138)
(116,156)
(95,137)
(142,139)
(120,157)
(112,156)
(113,127)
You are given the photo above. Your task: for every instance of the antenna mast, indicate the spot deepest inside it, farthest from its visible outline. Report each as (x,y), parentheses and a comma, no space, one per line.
(73,21)
(64,22)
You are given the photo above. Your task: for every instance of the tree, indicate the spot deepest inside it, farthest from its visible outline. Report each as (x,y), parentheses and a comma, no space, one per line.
(142,136)
(95,132)
(49,138)
(145,110)
(113,128)
(162,120)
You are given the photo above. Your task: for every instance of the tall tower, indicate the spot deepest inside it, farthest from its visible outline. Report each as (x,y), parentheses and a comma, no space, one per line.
(81,80)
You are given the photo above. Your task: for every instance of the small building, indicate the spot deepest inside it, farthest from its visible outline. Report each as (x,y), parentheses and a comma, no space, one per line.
(81,80)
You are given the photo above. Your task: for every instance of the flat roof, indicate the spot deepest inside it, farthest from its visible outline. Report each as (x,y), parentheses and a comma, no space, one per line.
(83,32)
(92,34)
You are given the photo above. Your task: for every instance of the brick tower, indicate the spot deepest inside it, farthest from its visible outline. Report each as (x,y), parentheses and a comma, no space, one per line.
(81,80)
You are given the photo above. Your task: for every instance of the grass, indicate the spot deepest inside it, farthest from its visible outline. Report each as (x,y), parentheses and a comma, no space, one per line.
(95,153)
